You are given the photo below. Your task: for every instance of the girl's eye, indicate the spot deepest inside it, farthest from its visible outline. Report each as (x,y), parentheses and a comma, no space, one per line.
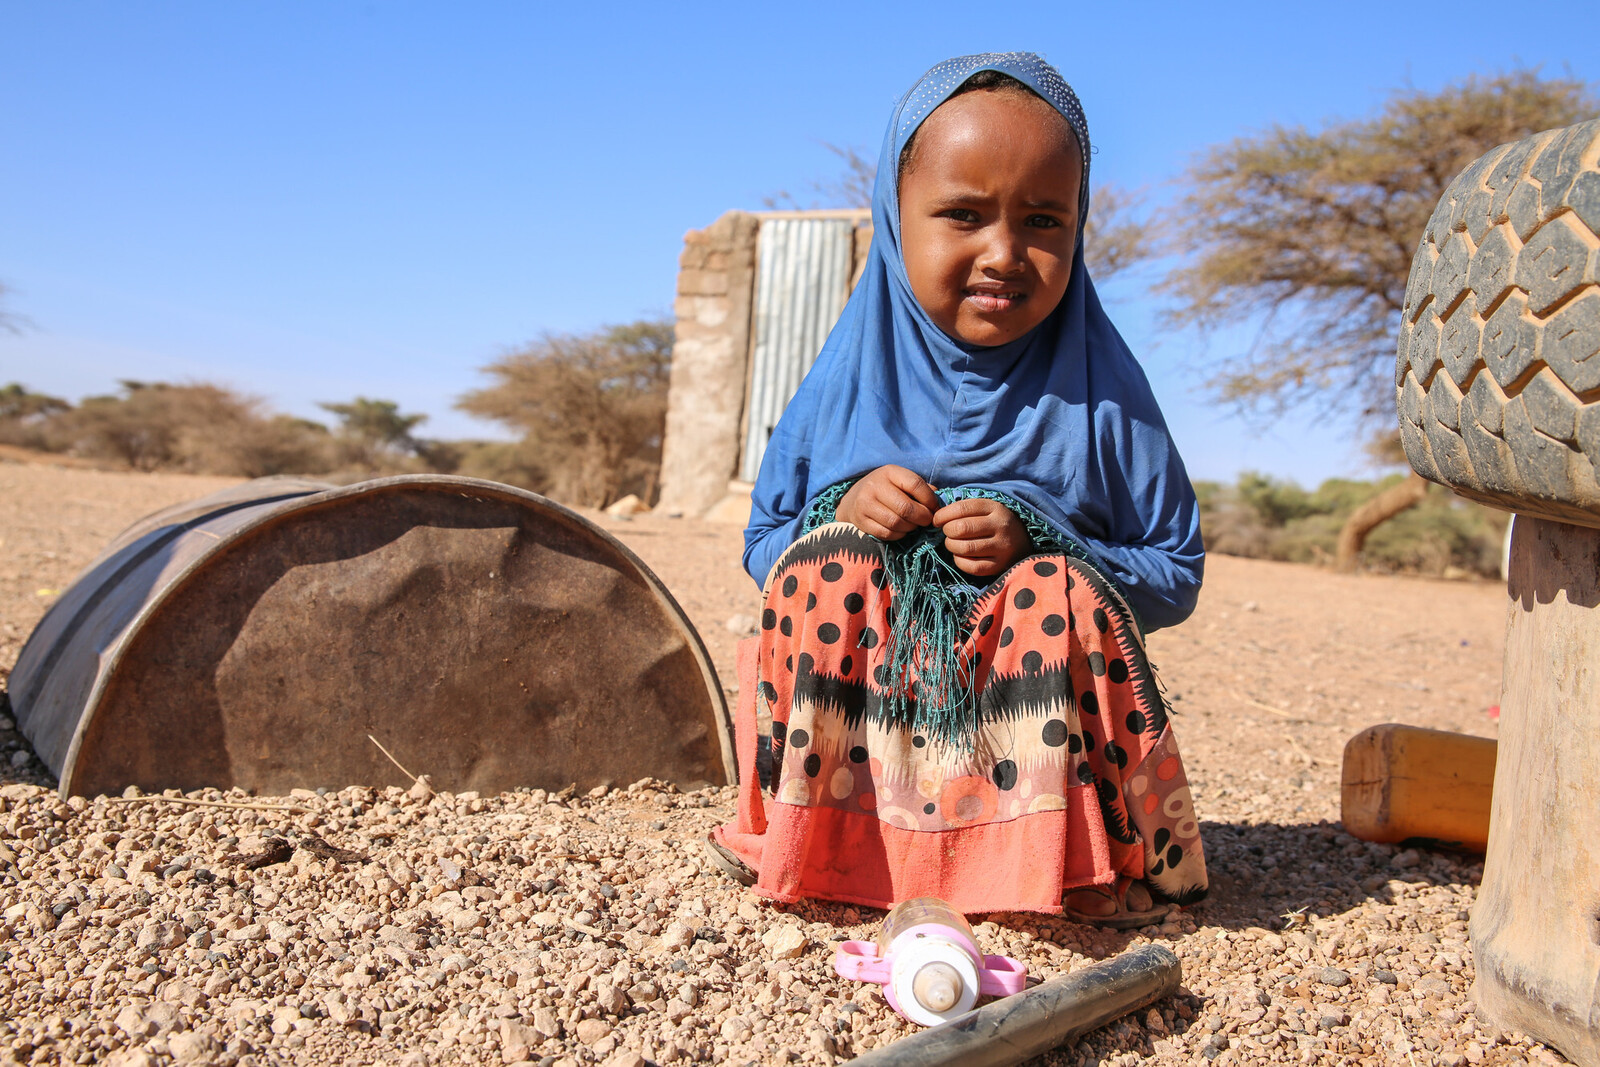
(960,214)
(1043,221)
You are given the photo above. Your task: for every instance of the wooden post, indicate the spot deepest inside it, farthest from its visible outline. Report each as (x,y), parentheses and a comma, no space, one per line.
(1536,924)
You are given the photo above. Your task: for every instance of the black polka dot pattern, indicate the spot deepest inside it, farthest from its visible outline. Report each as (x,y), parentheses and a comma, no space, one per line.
(1005,774)
(1036,665)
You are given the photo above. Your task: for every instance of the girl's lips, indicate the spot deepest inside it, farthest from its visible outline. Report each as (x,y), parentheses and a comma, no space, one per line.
(991,302)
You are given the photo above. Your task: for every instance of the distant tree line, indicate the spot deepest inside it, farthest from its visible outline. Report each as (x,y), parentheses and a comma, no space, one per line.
(589,411)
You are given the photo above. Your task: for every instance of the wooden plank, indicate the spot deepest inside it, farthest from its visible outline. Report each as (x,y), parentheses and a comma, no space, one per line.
(1405,783)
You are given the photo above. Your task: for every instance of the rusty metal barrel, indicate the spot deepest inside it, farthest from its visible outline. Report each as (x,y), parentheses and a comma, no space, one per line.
(487,636)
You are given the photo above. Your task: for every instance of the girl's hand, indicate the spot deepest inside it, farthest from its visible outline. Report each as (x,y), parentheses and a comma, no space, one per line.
(889,503)
(984,536)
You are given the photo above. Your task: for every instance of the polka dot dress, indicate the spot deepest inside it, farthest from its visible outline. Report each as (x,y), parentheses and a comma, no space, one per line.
(1072,725)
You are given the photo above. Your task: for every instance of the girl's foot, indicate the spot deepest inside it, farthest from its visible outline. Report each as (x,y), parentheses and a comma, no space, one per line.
(728,863)
(1127,905)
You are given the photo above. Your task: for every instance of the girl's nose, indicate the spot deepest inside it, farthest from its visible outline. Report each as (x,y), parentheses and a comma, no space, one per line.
(1004,251)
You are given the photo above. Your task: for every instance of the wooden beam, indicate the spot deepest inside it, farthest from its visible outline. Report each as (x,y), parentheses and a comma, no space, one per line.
(1405,783)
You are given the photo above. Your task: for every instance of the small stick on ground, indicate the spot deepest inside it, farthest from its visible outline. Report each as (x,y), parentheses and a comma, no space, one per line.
(1311,761)
(318,847)
(1273,710)
(392,760)
(194,802)
(598,935)
(278,851)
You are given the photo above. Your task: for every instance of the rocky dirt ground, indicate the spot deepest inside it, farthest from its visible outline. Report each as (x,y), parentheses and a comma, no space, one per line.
(417,928)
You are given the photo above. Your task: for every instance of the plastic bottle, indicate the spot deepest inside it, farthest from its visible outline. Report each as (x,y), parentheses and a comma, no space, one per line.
(928,962)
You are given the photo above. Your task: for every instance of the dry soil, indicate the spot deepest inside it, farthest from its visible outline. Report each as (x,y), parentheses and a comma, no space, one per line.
(562,929)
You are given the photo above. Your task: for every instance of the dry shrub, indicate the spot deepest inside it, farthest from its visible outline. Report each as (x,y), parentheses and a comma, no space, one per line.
(26,417)
(199,428)
(202,428)
(1269,518)
(591,410)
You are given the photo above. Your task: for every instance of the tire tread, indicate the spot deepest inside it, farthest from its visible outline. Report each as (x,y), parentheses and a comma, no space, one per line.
(1497,371)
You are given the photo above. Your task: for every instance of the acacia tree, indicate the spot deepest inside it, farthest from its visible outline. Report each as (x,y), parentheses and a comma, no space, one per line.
(374,435)
(590,407)
(1307,235)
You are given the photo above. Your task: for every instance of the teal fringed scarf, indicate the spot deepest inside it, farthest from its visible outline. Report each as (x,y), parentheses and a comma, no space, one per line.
(928,628)
(930,684)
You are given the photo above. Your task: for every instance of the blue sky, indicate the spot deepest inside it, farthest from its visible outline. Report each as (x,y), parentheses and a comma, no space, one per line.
(307,201)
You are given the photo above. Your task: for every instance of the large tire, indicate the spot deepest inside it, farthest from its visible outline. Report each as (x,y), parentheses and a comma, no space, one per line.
(1497,378)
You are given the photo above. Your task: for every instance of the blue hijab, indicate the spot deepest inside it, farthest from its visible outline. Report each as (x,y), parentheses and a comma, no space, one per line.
(1061,419)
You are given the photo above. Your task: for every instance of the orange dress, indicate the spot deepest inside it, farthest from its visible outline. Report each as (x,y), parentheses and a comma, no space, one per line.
(1072,778)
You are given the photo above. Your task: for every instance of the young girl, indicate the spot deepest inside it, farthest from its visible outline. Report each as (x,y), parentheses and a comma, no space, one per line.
(962,521)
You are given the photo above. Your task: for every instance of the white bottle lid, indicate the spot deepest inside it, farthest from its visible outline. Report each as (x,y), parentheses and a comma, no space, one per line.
(942,971)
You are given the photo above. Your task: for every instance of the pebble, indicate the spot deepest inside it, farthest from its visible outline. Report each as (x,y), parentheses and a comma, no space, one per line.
(459,942)
(784,942)
(593,1031)
(678,935)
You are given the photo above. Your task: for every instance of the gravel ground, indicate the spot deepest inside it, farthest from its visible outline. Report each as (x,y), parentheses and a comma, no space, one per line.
(423,927)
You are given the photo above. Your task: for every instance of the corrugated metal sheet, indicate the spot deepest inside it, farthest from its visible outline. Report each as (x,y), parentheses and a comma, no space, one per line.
(803,269)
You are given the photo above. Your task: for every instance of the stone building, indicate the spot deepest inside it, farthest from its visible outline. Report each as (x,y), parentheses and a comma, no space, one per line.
(757,295)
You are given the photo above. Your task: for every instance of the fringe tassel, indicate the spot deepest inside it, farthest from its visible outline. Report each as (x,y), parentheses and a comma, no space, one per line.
(930,681)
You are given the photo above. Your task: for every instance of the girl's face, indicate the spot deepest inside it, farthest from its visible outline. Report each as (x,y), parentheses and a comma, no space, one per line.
(989,214)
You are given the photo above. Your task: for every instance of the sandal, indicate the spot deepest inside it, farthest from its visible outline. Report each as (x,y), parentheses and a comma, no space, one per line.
(1111,907)
(728,863)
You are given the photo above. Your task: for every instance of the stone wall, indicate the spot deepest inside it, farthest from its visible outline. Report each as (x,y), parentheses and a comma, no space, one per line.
(711,363)
(705,401)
